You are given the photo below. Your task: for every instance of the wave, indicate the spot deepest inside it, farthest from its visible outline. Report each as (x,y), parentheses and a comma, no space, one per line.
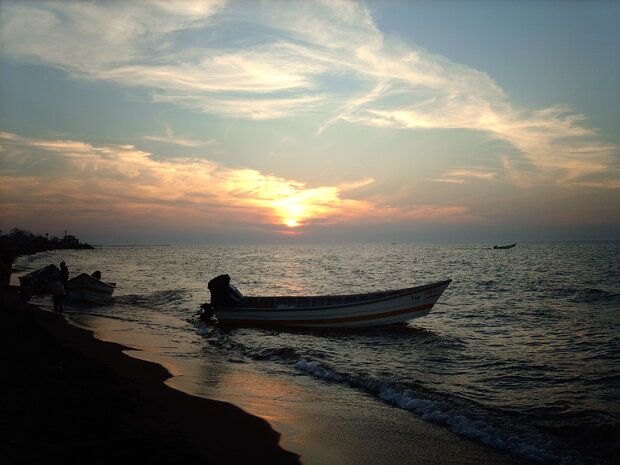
(459,417)
(579,295)
(591,295)
(282,353)
(169,299)
(497,430)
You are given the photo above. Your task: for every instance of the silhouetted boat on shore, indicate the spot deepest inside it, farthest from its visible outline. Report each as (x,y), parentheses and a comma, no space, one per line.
(39,282)
(329,311)
(83,287)
(90,289)
(510,246)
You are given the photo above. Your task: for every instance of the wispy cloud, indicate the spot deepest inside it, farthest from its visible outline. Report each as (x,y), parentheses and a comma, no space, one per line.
(67,177)
(184,141)
(249,108)
(326,57)
(460,176)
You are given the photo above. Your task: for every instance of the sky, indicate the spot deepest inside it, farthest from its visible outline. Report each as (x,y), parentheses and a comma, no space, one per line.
(247,121)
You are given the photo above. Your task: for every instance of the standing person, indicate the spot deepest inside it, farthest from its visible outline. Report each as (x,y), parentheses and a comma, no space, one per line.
(57,291)
(64,278)
(64,274)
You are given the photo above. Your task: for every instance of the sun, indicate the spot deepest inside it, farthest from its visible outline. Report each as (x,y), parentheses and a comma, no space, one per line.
(294,210)
(298,207)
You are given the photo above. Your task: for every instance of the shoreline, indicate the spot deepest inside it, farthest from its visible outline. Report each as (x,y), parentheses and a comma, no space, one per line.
(94,394)
(74,398)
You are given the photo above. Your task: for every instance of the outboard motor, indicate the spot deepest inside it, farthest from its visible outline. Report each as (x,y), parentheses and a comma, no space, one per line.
(222,293)
(206,311)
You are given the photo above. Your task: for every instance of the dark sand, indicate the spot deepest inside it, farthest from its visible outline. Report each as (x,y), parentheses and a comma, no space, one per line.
(70,398)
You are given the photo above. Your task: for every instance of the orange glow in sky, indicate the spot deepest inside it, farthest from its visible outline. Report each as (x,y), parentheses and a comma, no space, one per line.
(117,181)
(99,177)
(306,204)
(294,210)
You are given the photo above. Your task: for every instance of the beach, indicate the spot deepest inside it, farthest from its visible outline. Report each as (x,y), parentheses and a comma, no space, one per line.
(73,398)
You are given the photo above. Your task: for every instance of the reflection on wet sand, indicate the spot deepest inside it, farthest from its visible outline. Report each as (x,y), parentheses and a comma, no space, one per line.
(283,404)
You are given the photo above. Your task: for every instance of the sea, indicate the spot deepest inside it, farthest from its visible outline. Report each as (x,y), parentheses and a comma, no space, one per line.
(521,353)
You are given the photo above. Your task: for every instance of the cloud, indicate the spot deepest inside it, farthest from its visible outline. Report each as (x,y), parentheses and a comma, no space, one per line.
(86,37)
(266,60)
(184,141)
(467,173)
(57,179)
(248,108)
(460,176)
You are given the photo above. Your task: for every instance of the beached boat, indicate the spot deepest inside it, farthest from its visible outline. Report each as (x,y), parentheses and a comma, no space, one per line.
(88,288)
(369,309)
(504,246)
(39,282)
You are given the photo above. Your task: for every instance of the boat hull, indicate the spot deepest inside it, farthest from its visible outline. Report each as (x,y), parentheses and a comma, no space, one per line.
(85,287)
(373,309)
(39,282)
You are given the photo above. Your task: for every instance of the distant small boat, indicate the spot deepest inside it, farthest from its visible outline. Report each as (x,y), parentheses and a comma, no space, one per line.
(88,288)
(504,246)
(329,311)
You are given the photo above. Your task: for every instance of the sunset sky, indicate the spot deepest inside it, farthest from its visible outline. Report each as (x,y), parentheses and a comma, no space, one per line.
(281,121)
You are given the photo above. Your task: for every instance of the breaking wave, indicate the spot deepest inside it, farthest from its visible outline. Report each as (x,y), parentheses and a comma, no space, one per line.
(460,419)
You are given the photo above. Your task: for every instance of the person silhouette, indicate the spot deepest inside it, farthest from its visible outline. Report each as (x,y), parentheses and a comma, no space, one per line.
(64,273)
(57,291)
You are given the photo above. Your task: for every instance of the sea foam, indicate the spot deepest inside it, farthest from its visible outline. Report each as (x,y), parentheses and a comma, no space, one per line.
(522,441)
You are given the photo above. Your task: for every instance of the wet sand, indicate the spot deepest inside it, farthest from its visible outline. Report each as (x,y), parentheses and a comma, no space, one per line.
(330,425)
(73,398)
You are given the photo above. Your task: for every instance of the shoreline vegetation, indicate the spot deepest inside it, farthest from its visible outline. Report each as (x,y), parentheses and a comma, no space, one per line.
(21,242)
(71,398)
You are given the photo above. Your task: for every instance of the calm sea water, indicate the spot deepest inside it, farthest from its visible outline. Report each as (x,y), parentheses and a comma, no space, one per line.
(521,353)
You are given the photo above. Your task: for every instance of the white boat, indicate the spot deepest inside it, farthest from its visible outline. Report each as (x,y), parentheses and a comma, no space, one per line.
(86,287)
(370,309)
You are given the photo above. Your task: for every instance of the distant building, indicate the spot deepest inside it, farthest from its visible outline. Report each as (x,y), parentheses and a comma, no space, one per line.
(70,240)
